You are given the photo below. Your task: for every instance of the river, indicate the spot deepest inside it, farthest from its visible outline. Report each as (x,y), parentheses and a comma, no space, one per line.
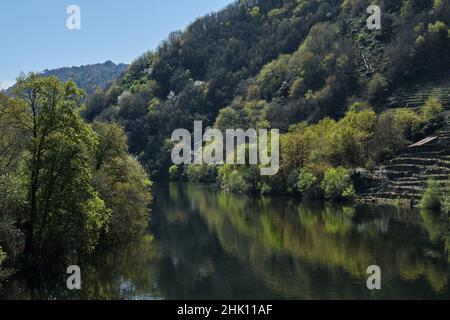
(207,244)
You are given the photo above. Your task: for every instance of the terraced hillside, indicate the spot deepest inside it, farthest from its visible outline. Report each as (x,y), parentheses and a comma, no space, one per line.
(415,95)
(406,176)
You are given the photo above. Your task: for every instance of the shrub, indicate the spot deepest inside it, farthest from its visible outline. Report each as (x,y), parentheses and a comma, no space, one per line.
(236,183)
(407,121)
(201,173)
(307,184)
(232,180)
(264,188)
(174,173)
(432,197)
(431,108)
(337,184)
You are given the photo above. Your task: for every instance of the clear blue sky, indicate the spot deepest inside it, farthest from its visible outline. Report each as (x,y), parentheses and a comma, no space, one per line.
(34,37)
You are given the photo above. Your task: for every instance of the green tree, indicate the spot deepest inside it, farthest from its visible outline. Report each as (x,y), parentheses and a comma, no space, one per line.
(337,184)
(308,184)
(112,142)
(407,121)
(431,108)
(228,118)
(64,213)
(174,172)
(126,191)
(122,184)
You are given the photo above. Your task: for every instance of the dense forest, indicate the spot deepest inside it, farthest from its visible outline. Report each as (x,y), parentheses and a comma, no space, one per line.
(312,69)
(88,77)
(73,178)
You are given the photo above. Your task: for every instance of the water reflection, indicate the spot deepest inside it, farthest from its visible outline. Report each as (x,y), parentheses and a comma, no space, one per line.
(207,244)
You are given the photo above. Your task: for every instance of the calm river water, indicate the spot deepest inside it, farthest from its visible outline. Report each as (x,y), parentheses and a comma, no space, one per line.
(207,244)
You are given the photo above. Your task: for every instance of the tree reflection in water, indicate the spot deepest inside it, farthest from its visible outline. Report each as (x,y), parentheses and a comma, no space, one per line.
(207,244)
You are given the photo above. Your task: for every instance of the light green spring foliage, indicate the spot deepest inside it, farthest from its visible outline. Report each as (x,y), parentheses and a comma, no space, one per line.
(63,205)
(174,173)
(431,108)
(433,197)
(306,180)
(77,183)
(360,139)
(122,183)
(274,63)
(231,179)
(407,121)
(337,184)
(436,197)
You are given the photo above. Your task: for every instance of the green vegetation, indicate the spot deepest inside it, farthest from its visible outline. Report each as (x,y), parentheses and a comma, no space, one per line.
(320,160)
(307,184)
(431,108)
(436,197)
(337,184)
(121,183)
(2,259)
(89,77)
(323,80)
(174,173)
(65,185)
(432,197)
(360,139)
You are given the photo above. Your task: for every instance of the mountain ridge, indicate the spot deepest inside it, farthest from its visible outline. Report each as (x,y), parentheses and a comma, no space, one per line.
(89,76)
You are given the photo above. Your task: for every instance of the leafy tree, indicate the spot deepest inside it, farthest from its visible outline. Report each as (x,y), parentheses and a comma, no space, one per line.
(307,183)
(174,172)
(388,137)
(122,184)
(126,190)
(232,179)
(408,122)
(113,143)
(64,213)
(431,108)
(337,184)
(228,118)
(296,147)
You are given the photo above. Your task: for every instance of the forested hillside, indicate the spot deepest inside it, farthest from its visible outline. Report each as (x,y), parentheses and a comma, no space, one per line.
(89,77)
(274,63)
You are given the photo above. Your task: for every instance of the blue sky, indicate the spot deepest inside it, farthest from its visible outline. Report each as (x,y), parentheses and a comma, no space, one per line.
(34,36)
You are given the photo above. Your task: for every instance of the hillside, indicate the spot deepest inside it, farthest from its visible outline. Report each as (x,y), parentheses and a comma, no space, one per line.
(407,176)
(273,63)
(91,76)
